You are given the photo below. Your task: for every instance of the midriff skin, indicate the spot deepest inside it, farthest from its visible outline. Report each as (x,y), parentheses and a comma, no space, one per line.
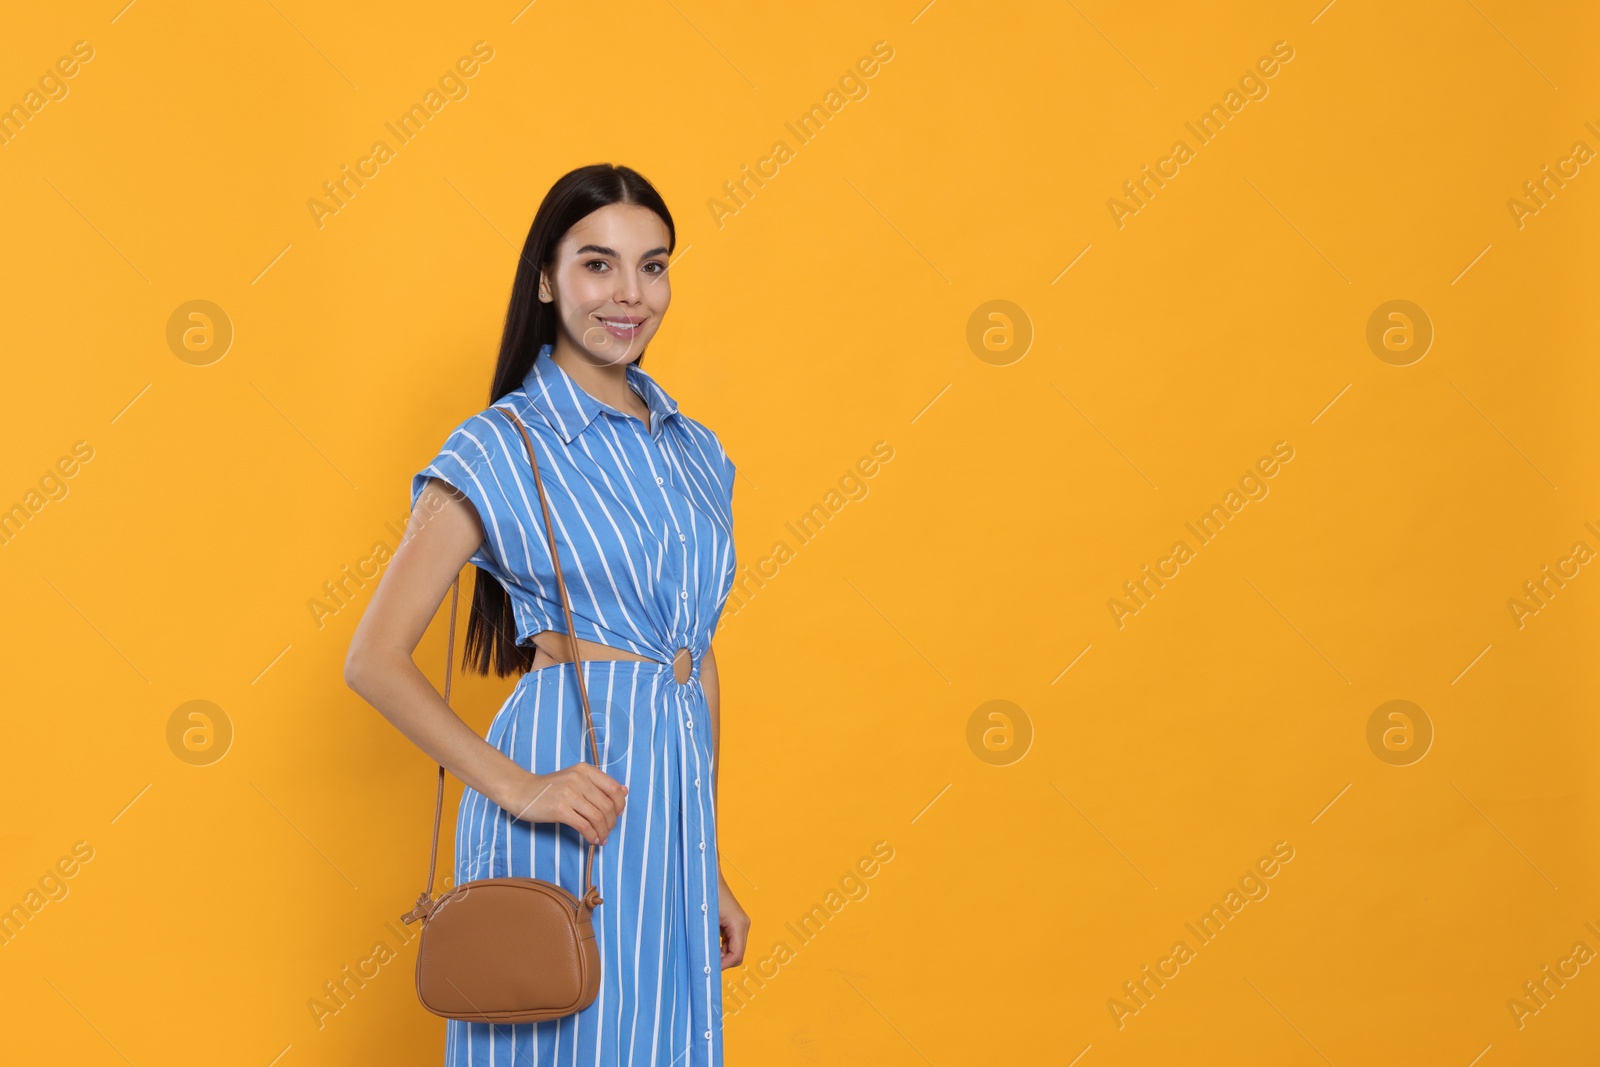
(552,647)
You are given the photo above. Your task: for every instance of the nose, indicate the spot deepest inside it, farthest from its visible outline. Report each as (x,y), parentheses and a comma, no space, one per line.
(627,289)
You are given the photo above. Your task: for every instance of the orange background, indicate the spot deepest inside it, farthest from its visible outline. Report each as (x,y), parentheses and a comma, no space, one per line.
(1040,860)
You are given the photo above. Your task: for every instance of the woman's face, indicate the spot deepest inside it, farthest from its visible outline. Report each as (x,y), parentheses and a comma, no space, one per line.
(608,281)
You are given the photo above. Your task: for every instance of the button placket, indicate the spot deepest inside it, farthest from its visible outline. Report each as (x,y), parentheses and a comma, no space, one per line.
(659,509)
(672,573)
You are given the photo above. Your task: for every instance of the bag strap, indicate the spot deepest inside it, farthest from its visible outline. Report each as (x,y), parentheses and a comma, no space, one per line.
(590,894)
(572,635)
(439,799)
(425,901)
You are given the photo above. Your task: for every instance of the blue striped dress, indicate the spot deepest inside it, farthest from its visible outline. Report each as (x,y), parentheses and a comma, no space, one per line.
(644,529)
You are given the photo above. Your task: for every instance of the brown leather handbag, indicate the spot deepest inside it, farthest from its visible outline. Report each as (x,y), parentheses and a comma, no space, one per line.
(509,950)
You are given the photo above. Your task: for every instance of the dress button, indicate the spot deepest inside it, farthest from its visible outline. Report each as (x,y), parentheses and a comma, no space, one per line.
(697,781)
(689,723)
(702,846)
(659,481)
(683,594)
(702,907)
(708,970)
(683,537)
(708,1035)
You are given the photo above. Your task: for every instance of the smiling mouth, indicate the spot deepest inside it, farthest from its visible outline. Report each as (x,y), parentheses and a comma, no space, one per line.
(625,326)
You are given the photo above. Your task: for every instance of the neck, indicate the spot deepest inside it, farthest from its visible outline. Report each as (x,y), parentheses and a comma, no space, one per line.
(606,382)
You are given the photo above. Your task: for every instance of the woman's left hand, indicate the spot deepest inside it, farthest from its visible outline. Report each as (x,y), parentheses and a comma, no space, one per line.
(735,925)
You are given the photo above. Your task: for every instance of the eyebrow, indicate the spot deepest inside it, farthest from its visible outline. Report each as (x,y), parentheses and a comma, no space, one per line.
(612,252)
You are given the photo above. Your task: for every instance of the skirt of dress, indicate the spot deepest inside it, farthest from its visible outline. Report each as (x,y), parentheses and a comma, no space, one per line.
(660,999)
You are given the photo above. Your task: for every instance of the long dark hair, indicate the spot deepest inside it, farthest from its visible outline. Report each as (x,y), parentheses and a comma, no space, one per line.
(530,325)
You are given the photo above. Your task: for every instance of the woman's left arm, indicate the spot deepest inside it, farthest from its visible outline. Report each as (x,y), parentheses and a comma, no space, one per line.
(734,922)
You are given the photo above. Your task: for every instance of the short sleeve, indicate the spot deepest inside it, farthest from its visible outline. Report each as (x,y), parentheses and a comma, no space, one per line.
(727,468)
(478,459)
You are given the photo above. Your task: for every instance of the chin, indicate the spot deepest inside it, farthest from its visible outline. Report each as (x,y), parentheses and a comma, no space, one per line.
(615,354)
(614,351)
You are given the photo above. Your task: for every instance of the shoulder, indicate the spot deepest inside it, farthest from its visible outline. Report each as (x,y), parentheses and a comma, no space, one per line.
(479,439)
(491,436)
(705,439)
(483,454)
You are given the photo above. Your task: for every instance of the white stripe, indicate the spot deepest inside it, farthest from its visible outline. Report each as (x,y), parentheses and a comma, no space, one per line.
(634,585)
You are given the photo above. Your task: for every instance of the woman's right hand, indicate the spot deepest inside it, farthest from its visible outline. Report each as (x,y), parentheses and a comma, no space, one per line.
(580,796)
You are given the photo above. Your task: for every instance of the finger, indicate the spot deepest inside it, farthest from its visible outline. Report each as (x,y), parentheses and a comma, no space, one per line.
(590,816)
(733,950)
(616,792)
(603,802)
(612,789)
(738,938)
(606,782)
(608,815)
(580,824)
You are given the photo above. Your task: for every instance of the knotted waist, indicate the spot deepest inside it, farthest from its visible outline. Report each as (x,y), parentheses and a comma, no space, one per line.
(684,664)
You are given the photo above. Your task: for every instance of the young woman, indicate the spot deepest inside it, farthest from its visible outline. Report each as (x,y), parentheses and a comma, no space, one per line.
(641,500)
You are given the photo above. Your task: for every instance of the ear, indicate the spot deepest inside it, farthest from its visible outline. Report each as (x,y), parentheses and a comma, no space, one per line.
(545,296)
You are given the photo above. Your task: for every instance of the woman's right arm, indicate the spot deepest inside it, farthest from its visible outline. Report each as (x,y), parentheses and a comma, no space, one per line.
(442,535)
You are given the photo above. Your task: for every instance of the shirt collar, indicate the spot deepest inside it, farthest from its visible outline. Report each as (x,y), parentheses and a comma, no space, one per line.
(570,410)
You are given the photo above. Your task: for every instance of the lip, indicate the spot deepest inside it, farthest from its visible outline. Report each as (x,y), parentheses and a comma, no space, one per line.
(622,327)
